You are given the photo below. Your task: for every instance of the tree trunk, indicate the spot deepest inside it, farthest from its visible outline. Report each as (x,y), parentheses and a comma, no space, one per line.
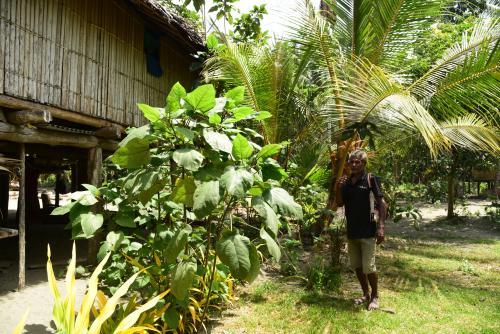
(451,185)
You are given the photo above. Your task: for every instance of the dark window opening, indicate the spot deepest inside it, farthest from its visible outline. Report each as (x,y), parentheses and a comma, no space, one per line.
(152,50)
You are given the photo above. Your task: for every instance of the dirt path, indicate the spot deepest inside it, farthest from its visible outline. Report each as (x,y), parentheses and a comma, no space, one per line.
(36,297)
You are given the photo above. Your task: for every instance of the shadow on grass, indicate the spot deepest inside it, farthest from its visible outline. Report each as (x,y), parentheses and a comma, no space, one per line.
(403,275)
(256,298)
(327,301)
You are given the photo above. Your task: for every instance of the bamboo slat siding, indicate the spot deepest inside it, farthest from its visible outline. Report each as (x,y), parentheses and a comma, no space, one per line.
(83,56)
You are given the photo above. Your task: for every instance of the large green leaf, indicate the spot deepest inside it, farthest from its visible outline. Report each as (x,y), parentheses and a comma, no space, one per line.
(62,210)
(84,197)
(271,244)
(183,279)
(202,98)
(143,184)
(241,148)
(214,119)
(236,181)
(271,169)
(177,243)
(185,133)
(149,184)
(174,97)
(218,141)
(132,155)
(183,191)
(90,223)
(206,197)
(269,151)
(267,213)
(171,318)
(243,112)
(115,239)
(136,133)
(188,158)
(280,200)
(239,254)
(212,41)
(236,94)
(125,218)
(153,114)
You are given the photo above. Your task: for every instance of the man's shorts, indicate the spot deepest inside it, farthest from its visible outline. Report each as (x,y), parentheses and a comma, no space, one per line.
(362,254)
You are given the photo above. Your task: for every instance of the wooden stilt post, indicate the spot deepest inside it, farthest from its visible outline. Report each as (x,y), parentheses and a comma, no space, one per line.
(57,190)
(4,197)
(94,176)
(22,223)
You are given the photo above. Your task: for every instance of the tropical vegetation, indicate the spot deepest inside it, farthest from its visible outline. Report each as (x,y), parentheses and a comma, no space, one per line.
(243,170)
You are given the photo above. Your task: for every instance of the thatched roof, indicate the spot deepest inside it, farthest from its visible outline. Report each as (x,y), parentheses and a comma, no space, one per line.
(172,23)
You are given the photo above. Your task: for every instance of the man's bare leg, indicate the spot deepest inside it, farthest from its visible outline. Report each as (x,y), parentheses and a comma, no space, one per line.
(373,279)
(364,286)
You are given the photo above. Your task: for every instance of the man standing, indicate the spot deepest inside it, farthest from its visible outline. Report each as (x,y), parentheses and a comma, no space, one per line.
(363,233)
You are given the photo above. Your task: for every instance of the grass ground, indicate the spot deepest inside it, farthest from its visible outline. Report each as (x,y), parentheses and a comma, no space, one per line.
(437,280)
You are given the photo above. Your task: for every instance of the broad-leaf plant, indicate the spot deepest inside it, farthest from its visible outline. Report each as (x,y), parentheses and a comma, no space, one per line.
(190,199)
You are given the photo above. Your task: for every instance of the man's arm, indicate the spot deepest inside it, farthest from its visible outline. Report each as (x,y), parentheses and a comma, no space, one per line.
(382,210)
(338,192)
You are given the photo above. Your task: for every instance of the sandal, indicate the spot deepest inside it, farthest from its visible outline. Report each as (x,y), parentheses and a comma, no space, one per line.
(373,304)
(361,300)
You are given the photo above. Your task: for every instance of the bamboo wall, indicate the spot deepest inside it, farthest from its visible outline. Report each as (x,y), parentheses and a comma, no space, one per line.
(84,56)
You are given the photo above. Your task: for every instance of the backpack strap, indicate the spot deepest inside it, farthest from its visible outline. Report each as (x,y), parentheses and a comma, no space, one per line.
(370,181)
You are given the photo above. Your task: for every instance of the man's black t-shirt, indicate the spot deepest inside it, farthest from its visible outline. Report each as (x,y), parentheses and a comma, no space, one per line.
(357,207)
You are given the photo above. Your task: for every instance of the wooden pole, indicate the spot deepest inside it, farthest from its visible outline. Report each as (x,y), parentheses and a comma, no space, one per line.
(4,197)
(94,177)
(57,189)
(22,223)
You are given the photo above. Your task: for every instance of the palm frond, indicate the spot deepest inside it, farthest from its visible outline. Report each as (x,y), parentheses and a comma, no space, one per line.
(485,34)
(398,23)
(235,65)
(313,33)
(474,86)
(271,76)
(472,133)
(372,99)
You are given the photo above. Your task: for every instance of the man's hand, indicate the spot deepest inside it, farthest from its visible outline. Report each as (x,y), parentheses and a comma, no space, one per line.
(343,180)
(380,236)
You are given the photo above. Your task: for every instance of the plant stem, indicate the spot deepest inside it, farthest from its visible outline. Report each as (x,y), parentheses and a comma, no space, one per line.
(159,209)
(212,276)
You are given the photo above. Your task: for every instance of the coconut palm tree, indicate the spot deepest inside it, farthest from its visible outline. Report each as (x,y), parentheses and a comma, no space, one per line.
(347,54)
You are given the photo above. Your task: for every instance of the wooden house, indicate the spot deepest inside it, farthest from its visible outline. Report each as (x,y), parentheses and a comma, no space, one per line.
(71,73)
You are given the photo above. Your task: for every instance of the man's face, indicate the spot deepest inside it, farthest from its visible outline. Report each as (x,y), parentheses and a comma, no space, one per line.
(357,165)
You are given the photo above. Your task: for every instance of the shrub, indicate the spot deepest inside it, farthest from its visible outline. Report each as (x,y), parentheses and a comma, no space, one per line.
(184,184)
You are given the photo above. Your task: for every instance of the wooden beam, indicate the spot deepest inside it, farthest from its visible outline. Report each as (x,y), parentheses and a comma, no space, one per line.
(19,117)
(22,224)
(71,116)
(22,134)
(111,132)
